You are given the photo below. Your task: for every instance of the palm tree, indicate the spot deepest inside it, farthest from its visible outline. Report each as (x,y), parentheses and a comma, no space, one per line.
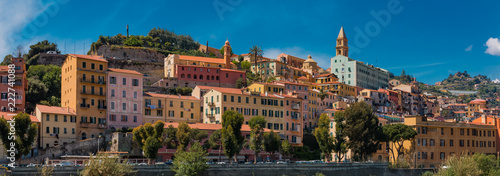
(256,52)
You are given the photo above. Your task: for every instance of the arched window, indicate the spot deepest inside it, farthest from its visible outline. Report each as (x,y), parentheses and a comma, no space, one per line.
(194,63)
(84,136)
(212,77)
(217,78)
(208,77)
(182,75)
(195,77)
(189,76)
(201,76)
(92,136)
(220,66)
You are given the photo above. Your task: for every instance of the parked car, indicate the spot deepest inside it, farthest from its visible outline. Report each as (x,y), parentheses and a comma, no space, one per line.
(221,162)
(160,164)
(248,163)
(281,162)
(57,165)
(142,164)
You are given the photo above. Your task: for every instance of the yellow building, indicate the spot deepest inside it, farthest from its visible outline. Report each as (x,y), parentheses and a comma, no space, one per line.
(170,108)
(436,141)
(270,88)
(57,127)
(83,88)
(475,106)
(282,111)
(338,88)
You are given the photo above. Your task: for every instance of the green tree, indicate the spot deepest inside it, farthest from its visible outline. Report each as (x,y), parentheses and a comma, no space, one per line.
(362,130)
(256,53)
(171,141)
(24,137)
(192,162)
(133,41)
(460,166)
(240,83)
(183,136)
(322,94)
(7,60)
(241,58)
(322,134)
(150,138)
(286,148)
(36,91)
(257,125)
(397,134)
(246,65)
(197,135)
(272,143)
(271,79)
(186,91)
(215,141)
(234,120)
(50,75)
(106,164)
(403,74)
(42,47)
(339,141)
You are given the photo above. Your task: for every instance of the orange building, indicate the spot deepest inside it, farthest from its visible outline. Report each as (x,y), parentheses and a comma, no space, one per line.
(83,88)
(475,106)
(20,86)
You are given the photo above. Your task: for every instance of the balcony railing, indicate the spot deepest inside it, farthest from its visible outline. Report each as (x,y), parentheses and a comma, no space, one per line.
(85,124)
(211,104)
(101,126)
(148,106)
(90,93)
(93,81)
(102,107)
(295,106)
(84,105)
(210,115)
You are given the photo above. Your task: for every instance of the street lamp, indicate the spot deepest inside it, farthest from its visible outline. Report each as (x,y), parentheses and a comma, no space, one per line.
(98,143)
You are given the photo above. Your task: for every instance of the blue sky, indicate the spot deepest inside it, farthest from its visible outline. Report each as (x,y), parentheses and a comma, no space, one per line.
(428,39)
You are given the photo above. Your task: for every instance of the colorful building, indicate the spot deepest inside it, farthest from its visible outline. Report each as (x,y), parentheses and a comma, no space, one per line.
(170,108)
(356,73)
(474,106)
(19,84)
(3,151)
(436,141)
(124,108)
(191,76)
(57,127)
(83,88)
(282,111)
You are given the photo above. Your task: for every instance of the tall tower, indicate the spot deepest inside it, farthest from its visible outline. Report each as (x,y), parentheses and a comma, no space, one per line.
(227,54)
(342,48)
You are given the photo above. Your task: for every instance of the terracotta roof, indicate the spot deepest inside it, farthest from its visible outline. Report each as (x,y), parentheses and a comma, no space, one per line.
(149,94)
(9,115)
(124,71)
(302,77)
(230,70)
(211,127)
(459,112)
(477,101)
(96,58)
(202,59)
(55,110)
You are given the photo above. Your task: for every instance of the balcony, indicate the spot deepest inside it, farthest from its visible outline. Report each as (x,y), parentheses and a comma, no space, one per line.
(85,124)
(84,105)
(102,107)
(101,126)
(210,115)
(295,106)
(148,106)
(93,81)
(90,93)
(211,104)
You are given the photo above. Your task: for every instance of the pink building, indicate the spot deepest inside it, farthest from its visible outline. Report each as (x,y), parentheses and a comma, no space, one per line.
(124,97)
(20,86)
(192,75)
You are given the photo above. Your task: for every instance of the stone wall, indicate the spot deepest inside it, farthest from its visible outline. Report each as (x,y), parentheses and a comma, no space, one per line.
(84,147)
(123,142)
(48,59)
(153,71)
(341,169)
(130,53)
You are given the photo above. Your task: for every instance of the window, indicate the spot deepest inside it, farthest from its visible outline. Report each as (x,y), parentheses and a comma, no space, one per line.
(135,118)
(124,105)
(135,82)
(112,105)
(135,107)
(92,66)
(65,119)
(124,94)
(101,67)
(442,143)
(84,65)
(441,156)
(47,117)
(451,142)
(112,92)
(124,82)
(124,118)
(135,94)
(55,118)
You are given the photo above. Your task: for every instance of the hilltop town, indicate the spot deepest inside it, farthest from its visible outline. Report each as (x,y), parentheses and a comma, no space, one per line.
(99,102)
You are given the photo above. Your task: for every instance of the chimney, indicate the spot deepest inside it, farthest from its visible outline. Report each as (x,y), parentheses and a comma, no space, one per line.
(127,30)
(483,119)
(68,109)
(207,48)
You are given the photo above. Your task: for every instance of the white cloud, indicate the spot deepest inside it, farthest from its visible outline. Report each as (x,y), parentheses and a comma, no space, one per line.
(469,48)
(14,16)
(493,45)
(322,59)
